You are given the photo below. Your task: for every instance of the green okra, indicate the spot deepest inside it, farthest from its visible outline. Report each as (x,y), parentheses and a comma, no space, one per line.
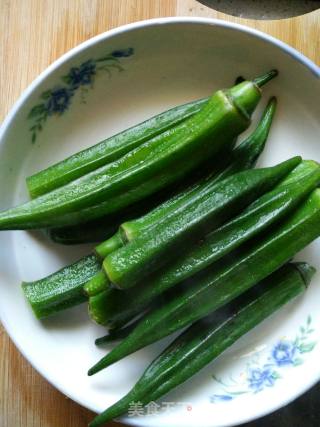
(146,169)
(118,309)
(206,339)
(62,289)
(108,150)
(117,334)
(100,229)
(224,281)
(206,211)
(242,157)
(41,293)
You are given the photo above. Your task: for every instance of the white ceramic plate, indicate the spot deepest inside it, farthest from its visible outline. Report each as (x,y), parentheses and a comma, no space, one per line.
(173,60)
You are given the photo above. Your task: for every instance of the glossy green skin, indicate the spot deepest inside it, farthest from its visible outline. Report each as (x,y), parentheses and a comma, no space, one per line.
(117,334)
(247,157)
(206,339)
(39,292)
(224,281)
(96,284)
(116,307)
(98,230)
(62,289)
(141,172)
(205,211)
(112,244)
(267,210)
(102,228)
(108,150)
(95,308)
(242,157)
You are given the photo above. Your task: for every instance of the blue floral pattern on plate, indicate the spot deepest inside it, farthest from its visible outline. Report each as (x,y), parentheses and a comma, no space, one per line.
(260,375)
(58,99)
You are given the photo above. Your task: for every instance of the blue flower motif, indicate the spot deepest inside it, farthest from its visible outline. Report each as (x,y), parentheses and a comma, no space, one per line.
(82,75)
(259,378)
(221,398)
(122,53)
(261,375)
(283,353)
(58,101)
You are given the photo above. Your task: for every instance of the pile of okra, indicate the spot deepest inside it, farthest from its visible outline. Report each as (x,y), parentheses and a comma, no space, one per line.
(188,234)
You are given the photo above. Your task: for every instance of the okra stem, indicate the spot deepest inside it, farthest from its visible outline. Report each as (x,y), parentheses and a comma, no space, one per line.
(62,289)
(95,310)
(105,248)
(98,283)
(265,78)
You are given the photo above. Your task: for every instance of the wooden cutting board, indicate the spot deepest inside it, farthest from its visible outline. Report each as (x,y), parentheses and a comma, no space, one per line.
(34,34)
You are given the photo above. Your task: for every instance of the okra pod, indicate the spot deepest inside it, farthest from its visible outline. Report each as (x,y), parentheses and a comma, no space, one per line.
(206,339)
(146,169)
(205,211)
(64,288)
(108,150)
(98,230)
(61,289)
(118,309)
(117,334)
(242,157)
(224,281)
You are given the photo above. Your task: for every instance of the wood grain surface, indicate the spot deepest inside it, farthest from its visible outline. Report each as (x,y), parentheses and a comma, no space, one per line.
(33,34)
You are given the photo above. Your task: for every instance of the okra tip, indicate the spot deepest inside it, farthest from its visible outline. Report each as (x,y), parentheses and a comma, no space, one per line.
(103,340)
(92,371)
(269,112)
(265,78)
(106,361)
(272,102)
(306,270)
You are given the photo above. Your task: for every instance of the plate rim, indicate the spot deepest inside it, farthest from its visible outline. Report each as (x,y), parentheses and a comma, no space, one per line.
(9,120)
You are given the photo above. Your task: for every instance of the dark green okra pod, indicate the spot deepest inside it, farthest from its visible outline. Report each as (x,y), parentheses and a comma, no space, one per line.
(109,149)
(119,307)
(147,168)
(204,212)
(242,158)
(100,229)
(224,281)
(64,288)
(206,339)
